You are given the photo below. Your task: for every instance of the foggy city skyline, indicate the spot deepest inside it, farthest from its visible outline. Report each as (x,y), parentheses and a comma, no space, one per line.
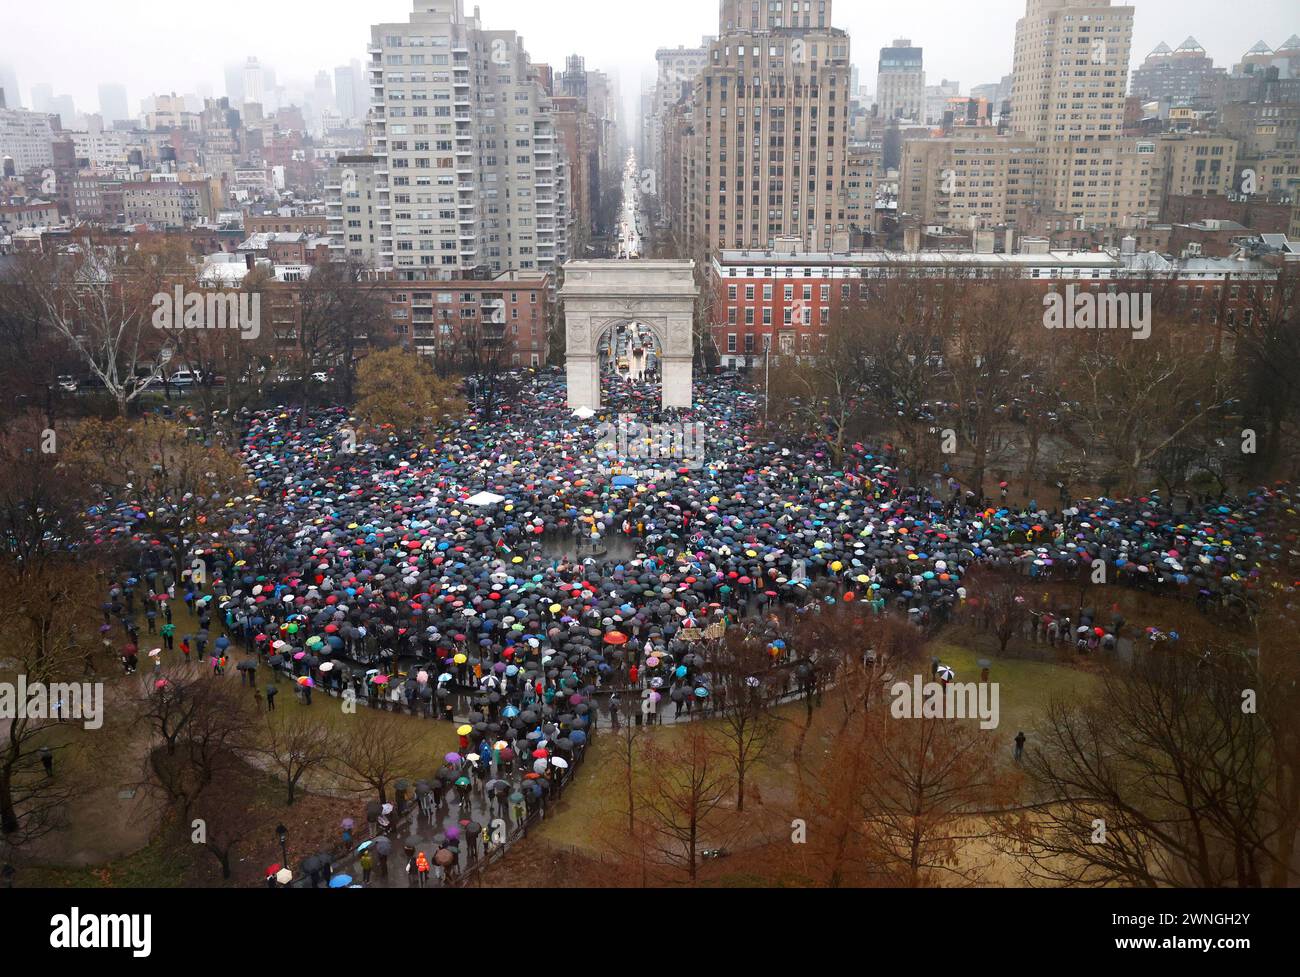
(298,38)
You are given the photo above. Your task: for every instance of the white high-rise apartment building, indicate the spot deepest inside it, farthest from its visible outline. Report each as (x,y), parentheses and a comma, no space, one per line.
(469,170)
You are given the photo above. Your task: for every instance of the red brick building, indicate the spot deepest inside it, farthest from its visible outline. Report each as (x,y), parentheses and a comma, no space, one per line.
(791,302)
(435,317)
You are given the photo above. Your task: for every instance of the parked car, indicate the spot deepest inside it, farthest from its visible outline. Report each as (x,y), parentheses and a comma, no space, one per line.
(185,378)
(68,383)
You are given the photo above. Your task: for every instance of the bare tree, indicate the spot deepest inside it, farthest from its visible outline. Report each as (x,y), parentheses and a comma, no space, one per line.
(1168,778)
(47,587)
(687,783)
(746,727)
(373,755)
(295,746)
(341,313)
(926,779)
(101,302)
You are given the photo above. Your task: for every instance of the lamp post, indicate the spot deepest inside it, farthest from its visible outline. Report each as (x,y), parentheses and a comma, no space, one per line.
(767,372)
(282,833)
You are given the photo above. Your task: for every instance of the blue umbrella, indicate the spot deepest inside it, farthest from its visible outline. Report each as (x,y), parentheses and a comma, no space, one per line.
(622,480)
(340,881)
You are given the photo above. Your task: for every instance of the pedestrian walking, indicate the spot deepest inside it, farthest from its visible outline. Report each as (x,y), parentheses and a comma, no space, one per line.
(1020,745)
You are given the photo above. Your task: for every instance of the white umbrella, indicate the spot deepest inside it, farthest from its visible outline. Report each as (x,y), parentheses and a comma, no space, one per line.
(284,876)
(560,762)
(485,498)
(945,673)
(585,413)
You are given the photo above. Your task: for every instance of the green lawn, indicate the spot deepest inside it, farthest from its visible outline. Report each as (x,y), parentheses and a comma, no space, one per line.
(595,804)
(1024,687)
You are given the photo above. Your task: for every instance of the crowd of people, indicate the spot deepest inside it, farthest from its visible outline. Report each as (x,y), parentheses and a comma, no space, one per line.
(379,556)
(443,575)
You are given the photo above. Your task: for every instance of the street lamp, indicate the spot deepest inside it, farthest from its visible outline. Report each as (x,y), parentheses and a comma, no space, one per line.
(282,833)
(767,365)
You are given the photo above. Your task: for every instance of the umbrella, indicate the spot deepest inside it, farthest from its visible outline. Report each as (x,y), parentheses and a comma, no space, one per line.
(284,876)
(340,881)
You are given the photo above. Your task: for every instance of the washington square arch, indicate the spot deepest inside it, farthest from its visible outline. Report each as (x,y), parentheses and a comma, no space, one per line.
(601,295)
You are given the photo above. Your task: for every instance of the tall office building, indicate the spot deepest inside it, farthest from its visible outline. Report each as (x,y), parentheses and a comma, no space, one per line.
(112,103)
(43,97)
(9,84)
(769,130)
(469,170)
(254,82)
(900,82)
(350,95)
(235,82)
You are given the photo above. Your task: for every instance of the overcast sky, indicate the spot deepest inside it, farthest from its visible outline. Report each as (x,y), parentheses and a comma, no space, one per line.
(161,45)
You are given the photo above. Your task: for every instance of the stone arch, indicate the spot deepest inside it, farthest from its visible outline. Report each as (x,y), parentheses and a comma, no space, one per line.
(601,294)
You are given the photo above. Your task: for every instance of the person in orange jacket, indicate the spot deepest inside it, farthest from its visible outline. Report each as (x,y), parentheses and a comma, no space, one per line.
(422,869)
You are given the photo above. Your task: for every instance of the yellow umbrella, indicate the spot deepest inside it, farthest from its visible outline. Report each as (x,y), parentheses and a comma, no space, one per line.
(460,659)
(464,730)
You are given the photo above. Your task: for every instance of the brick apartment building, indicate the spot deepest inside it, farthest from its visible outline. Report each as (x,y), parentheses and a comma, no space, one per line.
(790,302)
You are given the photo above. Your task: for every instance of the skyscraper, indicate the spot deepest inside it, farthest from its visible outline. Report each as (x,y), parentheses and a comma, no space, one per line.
(9,83)
(1070,70)
(254,82)
(769,138)
(42,97)
(678,68)
(1067,95)
(345,93)
(112,103)
(900,82)
(469,167)
(235,82)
